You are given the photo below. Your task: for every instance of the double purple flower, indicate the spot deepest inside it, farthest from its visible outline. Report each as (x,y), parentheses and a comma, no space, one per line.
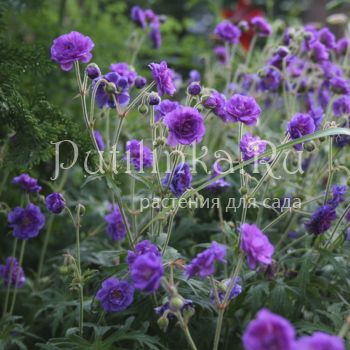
(71,47)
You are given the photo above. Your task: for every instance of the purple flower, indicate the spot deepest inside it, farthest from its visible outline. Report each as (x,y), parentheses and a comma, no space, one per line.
(181,181)
(327,38)
(140,82)
(251,146)
(269,331)
(146,272)
(93,71)
(194,76)
(318,51)
(221,54)
(219,185)
(317,114)
(185,125)
(338,195)
(320,341)
(71,47)
(300,125)
(261,26)
(116,229)
(117,86)
(244,109)
(331,69)
(194,88)
(115,295)
(55,203)
(155,35)
(12,273)
(228,32)
(27,183)
(125,71)
(295,66)
(341,106)
(324,95)
(165,107)
(26,222)
(138,154)
(256,246)
(203,264)
(222,288)
(342,46)
(216,102)
(163,78)
(141,248)
(321,220)
(340,85)
(271,80)
(99,140)
(138,16)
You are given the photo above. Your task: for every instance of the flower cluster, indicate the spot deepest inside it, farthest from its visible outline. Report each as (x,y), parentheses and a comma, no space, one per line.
(145,18)
(12,273)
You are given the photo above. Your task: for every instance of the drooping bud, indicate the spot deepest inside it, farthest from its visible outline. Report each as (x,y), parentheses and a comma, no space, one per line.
(194,88)
(93,71)
(153,99)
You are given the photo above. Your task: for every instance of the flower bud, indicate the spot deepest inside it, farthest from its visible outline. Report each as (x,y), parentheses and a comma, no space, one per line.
(163,323)
(93,71)
(194,88)
(282,51)
(143,109)
(176,303)
(243,190)
(110,88)
(153,99)
(309,146)
(188,312)
(140,82)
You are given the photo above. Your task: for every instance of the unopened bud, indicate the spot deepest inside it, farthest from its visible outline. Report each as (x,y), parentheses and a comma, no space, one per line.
(143,109)
(176,303)
(163,323)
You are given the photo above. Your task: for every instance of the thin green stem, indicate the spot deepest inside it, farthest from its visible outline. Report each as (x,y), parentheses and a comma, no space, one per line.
(44,247)
(330,169)
(186,331)
(23,246)
(9,277)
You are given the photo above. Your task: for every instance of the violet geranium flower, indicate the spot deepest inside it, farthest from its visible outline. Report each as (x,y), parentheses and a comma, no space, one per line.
(27,183)
(181,181)
(26,222)
(228,32)
(320,341)
(117,87)
(12,273)
(163,78)
(146,272)
(55,203)
(244,109)
(251,146)
(71,47)
(115,225)
(300,125)
(269,331)
(140,155)
(115,295)
(256,246)
(203,264)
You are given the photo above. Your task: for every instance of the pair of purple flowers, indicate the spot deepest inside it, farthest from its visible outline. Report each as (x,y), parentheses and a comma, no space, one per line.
(322,219)
(254,244)
(146,271)
(238,108)
(270,331)
(147,18)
